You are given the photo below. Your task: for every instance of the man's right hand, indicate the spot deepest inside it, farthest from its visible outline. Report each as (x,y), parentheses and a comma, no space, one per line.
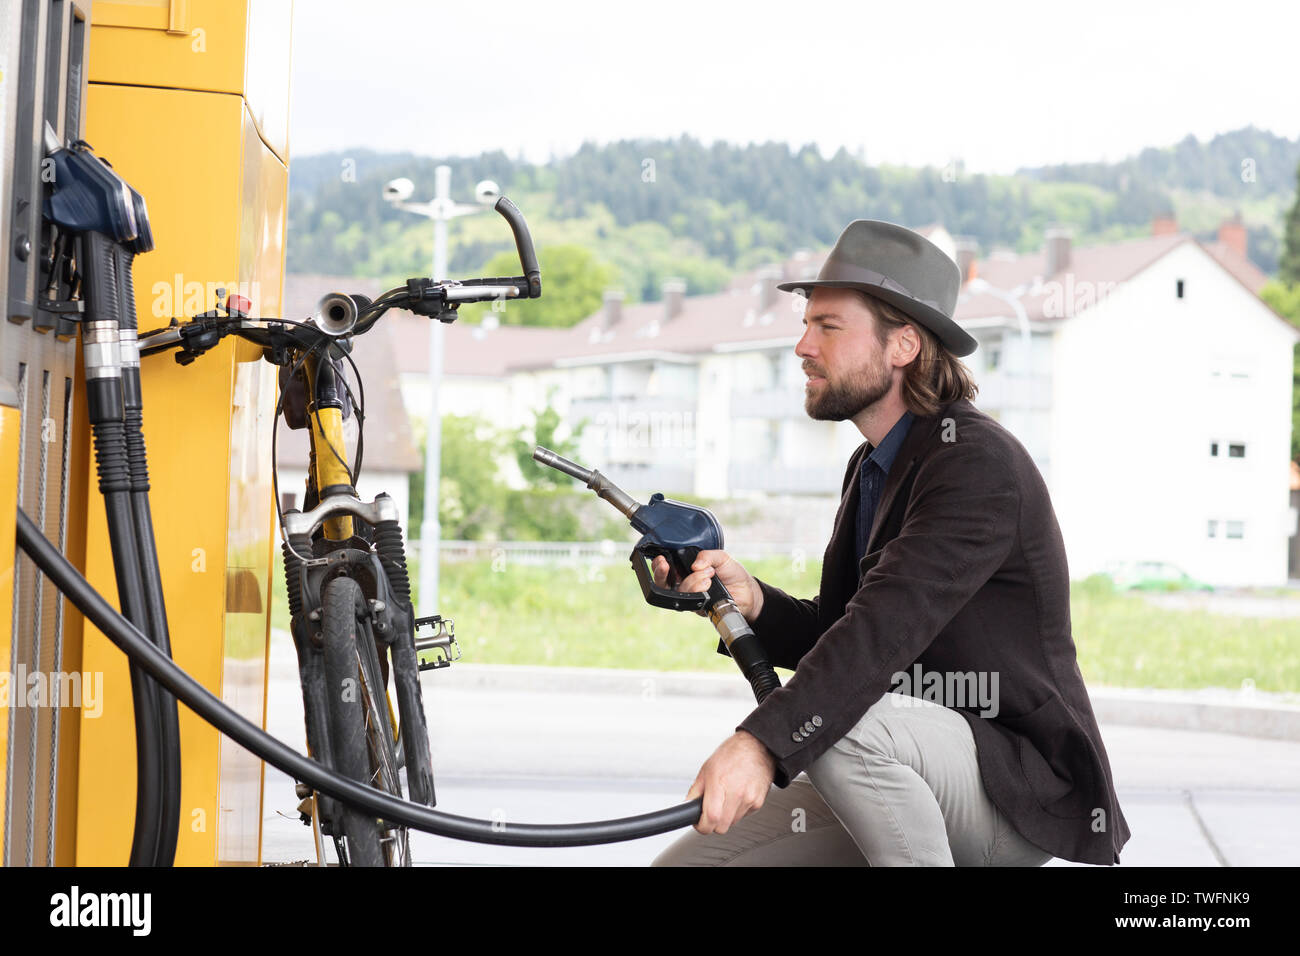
(740,584)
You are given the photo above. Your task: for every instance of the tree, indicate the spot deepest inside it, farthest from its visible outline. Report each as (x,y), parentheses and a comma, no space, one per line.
(573,287)
(546,422)
(1285,300)
(1288,270)
(471,497)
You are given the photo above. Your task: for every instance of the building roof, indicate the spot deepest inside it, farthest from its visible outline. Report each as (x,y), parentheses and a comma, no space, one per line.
(389,444)
(1245,271)
(705,322)
(467,349)
(1089,267)
(735,318)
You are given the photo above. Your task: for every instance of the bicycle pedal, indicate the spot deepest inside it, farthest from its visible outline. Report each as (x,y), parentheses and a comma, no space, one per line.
(441,641)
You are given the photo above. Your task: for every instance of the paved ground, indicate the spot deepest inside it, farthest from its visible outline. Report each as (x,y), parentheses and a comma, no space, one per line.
(1191,798)
(1231,603)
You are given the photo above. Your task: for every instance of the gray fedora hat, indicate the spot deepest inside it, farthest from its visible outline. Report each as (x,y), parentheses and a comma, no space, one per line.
(902,267)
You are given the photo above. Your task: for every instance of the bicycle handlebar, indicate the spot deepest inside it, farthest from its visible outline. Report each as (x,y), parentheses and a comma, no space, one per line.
(523,244)
(423,296)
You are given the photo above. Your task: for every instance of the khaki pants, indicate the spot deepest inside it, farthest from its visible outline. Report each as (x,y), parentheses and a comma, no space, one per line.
(901,788)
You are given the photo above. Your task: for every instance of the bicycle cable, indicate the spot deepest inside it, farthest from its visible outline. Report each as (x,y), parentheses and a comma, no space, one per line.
(358,409)
(275,478)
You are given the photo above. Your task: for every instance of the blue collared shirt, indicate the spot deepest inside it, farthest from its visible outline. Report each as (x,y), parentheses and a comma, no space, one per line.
(871,482)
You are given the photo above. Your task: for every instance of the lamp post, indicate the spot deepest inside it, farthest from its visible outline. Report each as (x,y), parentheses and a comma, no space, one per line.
(440,209)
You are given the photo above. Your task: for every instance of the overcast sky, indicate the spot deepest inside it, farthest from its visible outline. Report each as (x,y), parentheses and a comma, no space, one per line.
(996,84)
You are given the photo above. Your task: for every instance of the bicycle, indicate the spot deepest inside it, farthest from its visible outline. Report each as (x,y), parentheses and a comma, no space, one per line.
(352,621)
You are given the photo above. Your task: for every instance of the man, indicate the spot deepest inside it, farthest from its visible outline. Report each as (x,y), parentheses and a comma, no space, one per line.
(936,715)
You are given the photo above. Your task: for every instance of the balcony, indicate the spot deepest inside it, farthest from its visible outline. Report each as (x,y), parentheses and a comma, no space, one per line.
(669,479)
(652,428)
(607,409)
(774,403)
(776,479)
(1000,390)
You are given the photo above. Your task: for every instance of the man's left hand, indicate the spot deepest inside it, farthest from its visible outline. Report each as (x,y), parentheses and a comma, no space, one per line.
(734,782)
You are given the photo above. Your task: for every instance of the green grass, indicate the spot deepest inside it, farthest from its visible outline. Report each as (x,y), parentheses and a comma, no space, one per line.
(1125,641)
(594,616)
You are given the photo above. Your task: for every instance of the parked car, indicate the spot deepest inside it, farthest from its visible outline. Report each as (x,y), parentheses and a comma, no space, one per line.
(1154,576)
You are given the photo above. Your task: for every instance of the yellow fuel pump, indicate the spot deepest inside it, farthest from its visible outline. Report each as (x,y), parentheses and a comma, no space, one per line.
(189,99)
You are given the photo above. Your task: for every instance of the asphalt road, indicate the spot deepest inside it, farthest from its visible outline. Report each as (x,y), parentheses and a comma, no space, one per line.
(502,751)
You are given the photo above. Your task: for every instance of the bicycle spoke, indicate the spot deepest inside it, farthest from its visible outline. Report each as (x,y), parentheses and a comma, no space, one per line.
(380,741)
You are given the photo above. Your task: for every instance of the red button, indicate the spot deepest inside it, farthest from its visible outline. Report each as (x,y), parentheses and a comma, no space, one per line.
(238,305)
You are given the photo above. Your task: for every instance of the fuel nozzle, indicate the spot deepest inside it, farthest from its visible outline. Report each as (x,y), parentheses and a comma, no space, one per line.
(679,531)
(591,478)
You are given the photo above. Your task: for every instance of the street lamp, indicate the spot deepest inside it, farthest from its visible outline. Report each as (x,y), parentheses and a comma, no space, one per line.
(440,209)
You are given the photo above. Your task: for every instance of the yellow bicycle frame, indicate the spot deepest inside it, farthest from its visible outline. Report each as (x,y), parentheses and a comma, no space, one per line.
(329,453)
(329,467)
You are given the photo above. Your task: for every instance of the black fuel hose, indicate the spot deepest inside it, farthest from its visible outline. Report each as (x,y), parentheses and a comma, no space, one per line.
(244,732)
(101,353)
(169,813)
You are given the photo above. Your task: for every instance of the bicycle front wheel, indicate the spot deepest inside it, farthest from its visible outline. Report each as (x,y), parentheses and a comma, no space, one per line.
(360,733)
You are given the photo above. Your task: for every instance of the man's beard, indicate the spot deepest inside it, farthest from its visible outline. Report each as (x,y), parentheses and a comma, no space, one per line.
(836,402)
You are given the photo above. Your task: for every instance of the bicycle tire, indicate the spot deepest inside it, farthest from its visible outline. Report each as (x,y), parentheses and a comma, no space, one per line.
(360,833)
(380,741)
(406,668)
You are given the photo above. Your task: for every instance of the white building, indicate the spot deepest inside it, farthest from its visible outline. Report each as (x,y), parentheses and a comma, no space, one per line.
(1157,399)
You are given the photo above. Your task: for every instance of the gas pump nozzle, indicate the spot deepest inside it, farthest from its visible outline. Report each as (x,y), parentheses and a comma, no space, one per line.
(679,532)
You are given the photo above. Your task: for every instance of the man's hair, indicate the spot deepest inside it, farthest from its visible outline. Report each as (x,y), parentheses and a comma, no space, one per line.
(936,376)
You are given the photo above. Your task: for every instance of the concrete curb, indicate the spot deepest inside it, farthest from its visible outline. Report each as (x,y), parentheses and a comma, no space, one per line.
(594,680)
(1245,713)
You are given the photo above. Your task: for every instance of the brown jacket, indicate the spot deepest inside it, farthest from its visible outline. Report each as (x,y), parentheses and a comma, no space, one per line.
(965,572)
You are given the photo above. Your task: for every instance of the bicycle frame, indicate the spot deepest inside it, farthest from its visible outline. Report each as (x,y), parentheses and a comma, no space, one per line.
(328,460)
(311,562)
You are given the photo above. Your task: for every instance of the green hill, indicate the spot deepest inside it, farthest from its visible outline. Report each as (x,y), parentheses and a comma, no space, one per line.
(650,209)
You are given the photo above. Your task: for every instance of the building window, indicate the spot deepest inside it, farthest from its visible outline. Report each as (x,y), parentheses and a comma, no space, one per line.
(1214,449)
(1231,370)
(1179,289)
(1235,529)
(1237,450)
(995,359)
(1214,528)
